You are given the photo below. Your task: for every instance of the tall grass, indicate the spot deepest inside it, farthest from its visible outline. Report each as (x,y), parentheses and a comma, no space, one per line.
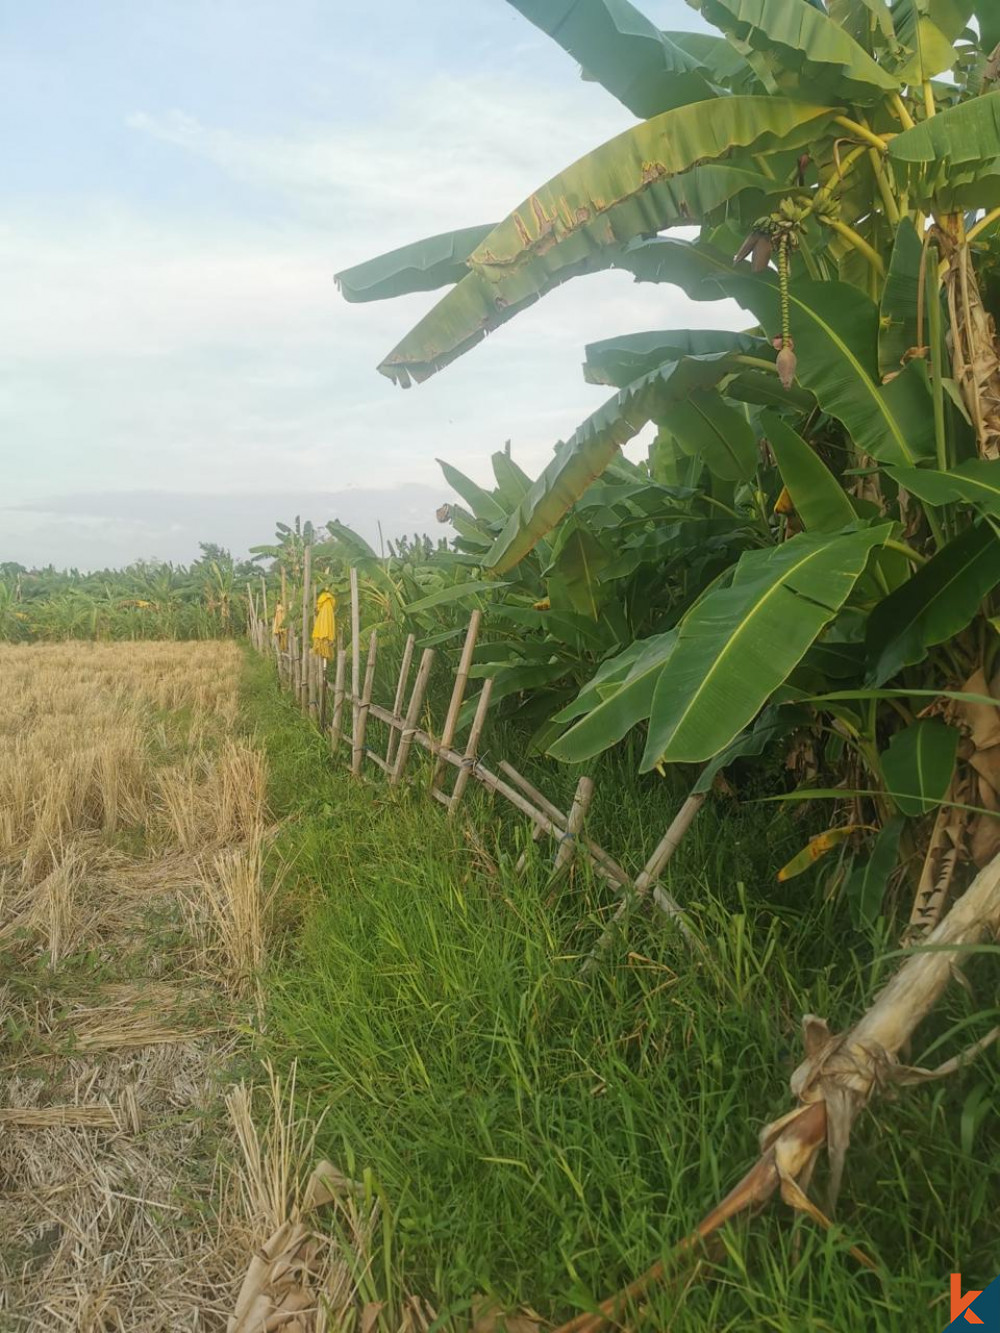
(542,1139)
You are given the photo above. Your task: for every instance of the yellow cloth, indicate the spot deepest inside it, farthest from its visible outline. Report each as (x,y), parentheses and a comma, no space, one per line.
(324,633)
(278,628)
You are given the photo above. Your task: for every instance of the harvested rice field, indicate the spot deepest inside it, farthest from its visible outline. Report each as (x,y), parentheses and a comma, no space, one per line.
(131,933)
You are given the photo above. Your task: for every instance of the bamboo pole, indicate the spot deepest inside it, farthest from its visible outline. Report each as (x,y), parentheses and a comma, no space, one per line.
(647,878)
(283,671)
(471,747)
(489,780)
(412,713)
(605,864)
(541,818)
(321,672)
(314,661)
(295,665)
(458,692)
(338,696)
(263,593)
(355,649)
(386,715)
(361,712)
(577,814)
(306,626)
(401,683)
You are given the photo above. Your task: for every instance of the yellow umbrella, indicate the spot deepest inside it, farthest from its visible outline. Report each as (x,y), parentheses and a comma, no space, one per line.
(324,633)
(278,628)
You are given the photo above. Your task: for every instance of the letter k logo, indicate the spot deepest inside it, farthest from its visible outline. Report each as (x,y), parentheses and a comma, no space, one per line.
(960,1303)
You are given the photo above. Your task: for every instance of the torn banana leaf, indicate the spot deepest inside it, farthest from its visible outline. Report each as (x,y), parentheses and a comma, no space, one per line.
(664,172)
(619,48)
(437,261)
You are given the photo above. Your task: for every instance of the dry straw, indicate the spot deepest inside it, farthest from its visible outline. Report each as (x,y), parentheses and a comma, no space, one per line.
(123,798)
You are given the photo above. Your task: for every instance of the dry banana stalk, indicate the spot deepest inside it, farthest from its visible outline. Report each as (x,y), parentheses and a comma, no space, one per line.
(835,1082)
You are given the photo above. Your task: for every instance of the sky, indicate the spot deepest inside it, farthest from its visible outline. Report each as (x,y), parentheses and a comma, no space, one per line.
(182,178)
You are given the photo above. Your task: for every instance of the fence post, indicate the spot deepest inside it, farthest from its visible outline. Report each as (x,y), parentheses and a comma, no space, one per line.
(361,713)
(412,713)
(295,665)
(577,814)
(457,694)
(647,878)
(404,676)
(355,650)
(338,696)
(314,661)
(304,700)
(472,746)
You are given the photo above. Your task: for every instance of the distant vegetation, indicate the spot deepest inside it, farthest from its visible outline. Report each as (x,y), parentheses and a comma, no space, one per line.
(149,599)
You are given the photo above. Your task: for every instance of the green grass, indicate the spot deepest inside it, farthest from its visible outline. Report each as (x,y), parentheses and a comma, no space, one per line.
(544,1139)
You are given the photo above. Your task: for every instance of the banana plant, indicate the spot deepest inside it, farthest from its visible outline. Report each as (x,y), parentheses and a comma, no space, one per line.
(841,163)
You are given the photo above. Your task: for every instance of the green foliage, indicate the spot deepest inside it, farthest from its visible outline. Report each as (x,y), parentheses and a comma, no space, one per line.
(740,643)
(851,424)
(540,1139)
(145,600)
(918,765)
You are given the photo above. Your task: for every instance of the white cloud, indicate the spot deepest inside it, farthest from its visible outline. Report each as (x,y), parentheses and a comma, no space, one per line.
(202,350)
(454,152)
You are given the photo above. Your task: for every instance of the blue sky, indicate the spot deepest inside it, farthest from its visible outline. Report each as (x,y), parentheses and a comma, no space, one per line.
(181,180)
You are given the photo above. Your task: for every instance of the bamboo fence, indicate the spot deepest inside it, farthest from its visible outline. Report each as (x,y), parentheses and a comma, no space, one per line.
(304,673)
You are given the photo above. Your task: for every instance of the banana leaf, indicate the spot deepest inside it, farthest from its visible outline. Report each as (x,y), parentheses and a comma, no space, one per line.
(482,504)
(819,499)
(695,267)
(740,643)
(835,330)
(918,764)
(763,389)
(976,482)
(606,680)
(865,887)
(350,542)
(953,156)
(438,261)
(801,49)
(619,361)
(774,723)
(927,30)
(582,458)
(586,202)
(578,562)
(869,22)
(616,705)
(456,592)
(988,14)
(897,326)
(657,174)
(513,483)
(620,49)
(477,305)
(720,60)
(706,427)
(936,603)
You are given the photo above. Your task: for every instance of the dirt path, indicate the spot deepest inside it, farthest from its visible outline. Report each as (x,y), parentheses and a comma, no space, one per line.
(131,826)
